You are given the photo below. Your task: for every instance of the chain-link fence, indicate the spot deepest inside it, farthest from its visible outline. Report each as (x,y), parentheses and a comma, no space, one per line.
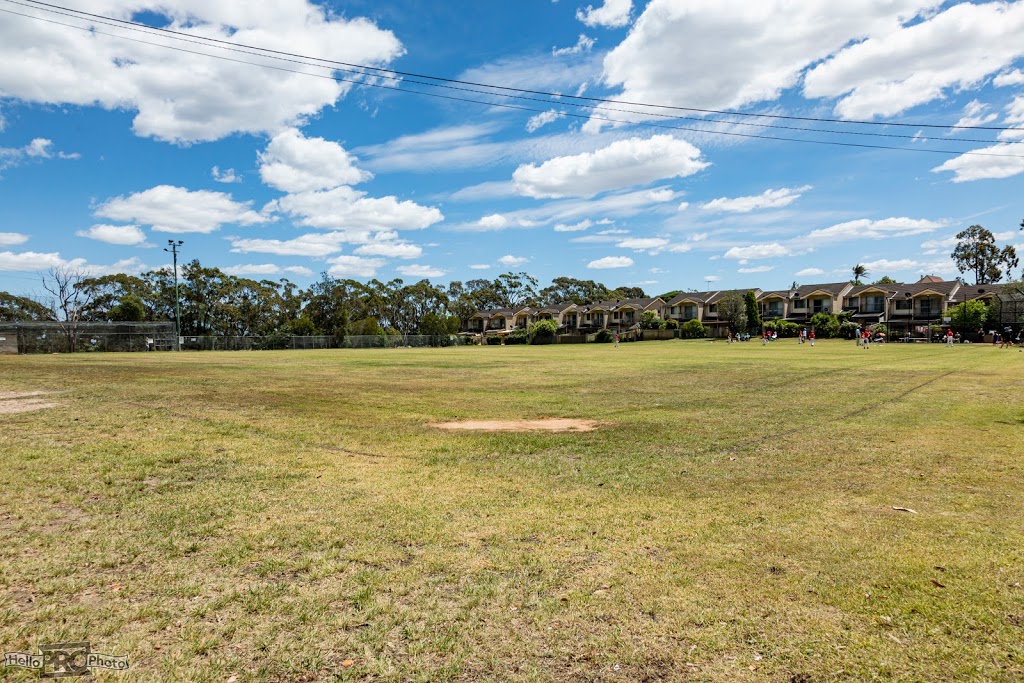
(55,337)
(63,337)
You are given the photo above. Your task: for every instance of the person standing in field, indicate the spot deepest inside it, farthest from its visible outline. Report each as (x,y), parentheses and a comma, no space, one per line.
(810,335)
(866,339)
(730,337)
(858,335)
(949,338)
(616,340)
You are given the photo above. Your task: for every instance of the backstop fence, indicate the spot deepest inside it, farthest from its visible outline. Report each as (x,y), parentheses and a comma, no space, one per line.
(57,337)
(64,337)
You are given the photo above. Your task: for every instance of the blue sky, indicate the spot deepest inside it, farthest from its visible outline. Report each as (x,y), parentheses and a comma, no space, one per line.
(109,147)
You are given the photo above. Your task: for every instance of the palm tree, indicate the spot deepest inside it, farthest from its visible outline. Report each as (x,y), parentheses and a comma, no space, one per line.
(859,271)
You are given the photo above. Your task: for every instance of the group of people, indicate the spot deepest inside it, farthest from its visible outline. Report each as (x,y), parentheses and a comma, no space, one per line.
(769,336)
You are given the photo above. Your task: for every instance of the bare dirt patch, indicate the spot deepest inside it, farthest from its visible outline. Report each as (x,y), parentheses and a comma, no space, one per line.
(548,425)
(12,402)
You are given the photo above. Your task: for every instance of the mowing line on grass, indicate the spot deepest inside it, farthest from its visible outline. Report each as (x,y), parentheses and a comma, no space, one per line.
(269,435)
(858,411)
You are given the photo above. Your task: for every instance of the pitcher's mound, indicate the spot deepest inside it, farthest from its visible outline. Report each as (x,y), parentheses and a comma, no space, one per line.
(550,425)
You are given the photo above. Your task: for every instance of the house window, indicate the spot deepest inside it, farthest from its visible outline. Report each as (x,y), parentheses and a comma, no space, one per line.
(927,308)
(800,304)
(874,304)
(712,308)
(820,306)
(903,305)
(775,308)
(689,312)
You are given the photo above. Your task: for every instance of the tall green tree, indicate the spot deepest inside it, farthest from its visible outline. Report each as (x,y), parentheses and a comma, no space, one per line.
(860,271)
(20,308)
(976,252)
(514,290)
(732,310)
(579,292)
(753,313)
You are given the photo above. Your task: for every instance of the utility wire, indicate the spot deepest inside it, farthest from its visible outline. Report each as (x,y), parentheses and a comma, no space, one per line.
(674,117)
(530,109)
(42,5)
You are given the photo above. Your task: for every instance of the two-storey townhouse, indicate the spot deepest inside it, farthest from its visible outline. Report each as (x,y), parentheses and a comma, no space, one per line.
(913,308)
(807,300)
(620,314)
(773,304)
(565,314)
(686,306)
(717,324)
(869,304)
(496,320)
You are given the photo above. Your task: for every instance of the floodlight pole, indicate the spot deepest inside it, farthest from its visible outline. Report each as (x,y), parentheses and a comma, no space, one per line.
(177,307)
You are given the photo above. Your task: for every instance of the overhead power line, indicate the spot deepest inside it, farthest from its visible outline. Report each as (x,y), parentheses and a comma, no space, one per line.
(403,81)
(197,41)
(442,79)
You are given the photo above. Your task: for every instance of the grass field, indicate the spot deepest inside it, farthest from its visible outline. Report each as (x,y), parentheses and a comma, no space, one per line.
(292,516)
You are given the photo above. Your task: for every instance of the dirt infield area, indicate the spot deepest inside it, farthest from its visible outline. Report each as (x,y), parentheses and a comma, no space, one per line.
(12,402)
(548,425)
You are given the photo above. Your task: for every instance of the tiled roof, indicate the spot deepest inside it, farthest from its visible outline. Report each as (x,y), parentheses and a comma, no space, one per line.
(944,288)
(700,297)
(833,288)
(860,289)
(613,304)
(718,296)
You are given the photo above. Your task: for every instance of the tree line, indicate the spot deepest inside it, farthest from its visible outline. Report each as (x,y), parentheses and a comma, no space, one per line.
(213,302)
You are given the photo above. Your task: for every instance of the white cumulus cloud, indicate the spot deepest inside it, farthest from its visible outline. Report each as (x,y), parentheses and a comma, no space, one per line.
(758,251)
(295,163)
(420,271)
(9,239)
(642,243)
(612,14)
(264,269)
(968,167)
(808,272)
(622,164)
(542,119)
(611,262)
(167,208)
(761,48)
(1015,77)
(584,44)
(888,73)
(226,176)
(575,227)
(511,261)
(391,250)
(185,97)
(344,208)
(115,234)
(313,244)
(354,266)
(769,199)
(864,228)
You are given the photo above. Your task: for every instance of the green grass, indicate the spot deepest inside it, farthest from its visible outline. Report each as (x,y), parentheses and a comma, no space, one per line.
(269,515)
